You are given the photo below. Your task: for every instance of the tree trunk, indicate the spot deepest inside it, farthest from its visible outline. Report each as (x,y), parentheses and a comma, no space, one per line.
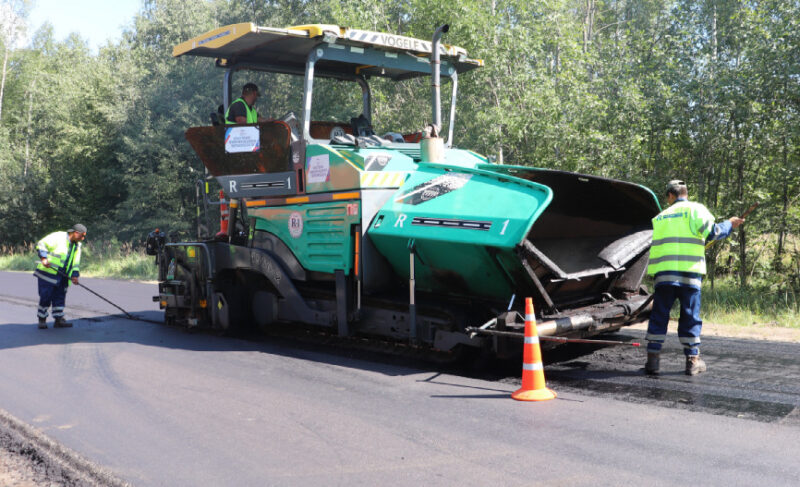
(28,129)
(740,197)
(714,52)
(588,25)
(782,224)
(784,209)
(3,81)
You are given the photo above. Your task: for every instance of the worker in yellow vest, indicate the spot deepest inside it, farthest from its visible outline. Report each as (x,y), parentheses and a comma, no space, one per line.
(242,110)
(60,258)
(678,263)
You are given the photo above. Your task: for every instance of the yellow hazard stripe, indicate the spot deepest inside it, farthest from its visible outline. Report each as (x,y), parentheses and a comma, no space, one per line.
(381,179)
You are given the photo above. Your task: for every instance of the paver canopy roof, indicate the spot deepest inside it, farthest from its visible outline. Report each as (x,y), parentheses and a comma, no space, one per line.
(249,44)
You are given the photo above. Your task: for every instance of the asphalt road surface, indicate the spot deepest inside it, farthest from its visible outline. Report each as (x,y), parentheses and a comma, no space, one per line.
(162,406)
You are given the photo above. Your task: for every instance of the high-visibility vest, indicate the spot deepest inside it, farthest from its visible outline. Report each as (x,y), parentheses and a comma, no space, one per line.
(679,237)
(252,114)
(57,247)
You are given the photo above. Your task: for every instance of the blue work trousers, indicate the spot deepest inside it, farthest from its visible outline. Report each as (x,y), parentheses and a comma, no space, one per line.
(689,323)
(52,294)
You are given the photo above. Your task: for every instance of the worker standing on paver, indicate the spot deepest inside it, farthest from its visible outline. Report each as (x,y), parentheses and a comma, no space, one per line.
(60,255)
(677,260)
(242,110)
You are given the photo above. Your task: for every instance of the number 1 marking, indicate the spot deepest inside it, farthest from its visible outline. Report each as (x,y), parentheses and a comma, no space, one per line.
(505,225)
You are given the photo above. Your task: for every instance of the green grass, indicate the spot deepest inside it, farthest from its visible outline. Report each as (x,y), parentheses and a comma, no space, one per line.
(760,304)
(99,259)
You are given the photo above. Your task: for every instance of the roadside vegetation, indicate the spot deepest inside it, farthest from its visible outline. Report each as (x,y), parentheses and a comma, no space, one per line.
(641,91)
(109,259)
(764,302)
(770,293)
(761,304)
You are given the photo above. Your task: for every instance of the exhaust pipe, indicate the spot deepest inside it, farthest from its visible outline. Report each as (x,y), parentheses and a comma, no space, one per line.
(432,146)
(436,65)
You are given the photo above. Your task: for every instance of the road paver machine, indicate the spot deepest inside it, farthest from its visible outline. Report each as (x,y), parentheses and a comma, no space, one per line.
(400,236)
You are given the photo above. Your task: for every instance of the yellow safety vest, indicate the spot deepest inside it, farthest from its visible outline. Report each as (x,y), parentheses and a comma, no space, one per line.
(252,114)
(57,247)
(679,237)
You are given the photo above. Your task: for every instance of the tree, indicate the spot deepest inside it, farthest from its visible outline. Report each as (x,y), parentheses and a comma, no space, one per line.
(12,32)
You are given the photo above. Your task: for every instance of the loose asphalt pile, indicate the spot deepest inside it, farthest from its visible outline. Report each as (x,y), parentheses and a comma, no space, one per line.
(30,459)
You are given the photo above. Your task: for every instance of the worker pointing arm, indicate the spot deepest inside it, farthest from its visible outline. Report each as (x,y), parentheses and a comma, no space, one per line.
(721,230)
(678,264)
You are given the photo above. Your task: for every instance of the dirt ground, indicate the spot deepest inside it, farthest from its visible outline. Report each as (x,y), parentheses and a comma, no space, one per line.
(756,332)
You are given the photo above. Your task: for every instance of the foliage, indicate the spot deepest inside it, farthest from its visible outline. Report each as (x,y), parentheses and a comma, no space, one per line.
(109,259)
(762,304)
(640,90)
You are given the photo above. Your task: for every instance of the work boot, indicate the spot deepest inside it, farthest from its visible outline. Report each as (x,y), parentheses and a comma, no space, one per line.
(653,362)
(42,323)
(62,323)
(694,365)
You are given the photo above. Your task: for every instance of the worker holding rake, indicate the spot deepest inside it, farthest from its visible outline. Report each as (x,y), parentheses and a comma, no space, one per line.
(677,262)
(60,257)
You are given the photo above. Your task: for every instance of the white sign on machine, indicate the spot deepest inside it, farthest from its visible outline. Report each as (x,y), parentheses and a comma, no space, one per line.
(295,224)
(318,169)
(242,139)
(391,40)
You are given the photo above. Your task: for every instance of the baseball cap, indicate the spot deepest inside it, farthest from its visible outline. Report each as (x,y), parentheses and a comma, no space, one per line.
(675,186)
(77,228)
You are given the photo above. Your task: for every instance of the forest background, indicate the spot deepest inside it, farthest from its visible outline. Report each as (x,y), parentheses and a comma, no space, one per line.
(640,90)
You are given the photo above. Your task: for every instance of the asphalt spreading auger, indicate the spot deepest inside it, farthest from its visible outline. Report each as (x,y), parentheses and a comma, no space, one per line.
(401,236)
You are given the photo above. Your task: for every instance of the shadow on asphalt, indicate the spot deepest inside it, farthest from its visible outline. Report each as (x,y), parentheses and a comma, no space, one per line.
(743,380)
(312,345)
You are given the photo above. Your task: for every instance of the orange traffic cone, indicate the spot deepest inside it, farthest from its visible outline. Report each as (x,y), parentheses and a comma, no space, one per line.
(533,385)
(223,215)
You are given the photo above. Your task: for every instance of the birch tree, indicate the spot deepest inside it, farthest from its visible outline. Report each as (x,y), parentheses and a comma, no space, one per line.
(12,34)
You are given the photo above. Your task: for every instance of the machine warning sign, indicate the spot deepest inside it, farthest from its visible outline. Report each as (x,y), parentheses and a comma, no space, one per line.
(318,169)
(296,224)
(242,139)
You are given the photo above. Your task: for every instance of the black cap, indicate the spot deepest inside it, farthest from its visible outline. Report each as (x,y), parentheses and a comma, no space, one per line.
(77,228)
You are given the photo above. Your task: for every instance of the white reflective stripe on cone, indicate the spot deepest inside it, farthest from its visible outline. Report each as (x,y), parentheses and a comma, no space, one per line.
(537,366)
(531,318)
(532,339)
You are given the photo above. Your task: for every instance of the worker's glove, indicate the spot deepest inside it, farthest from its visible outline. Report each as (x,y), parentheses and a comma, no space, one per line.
(736,221)
(75,280)
(45,262)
